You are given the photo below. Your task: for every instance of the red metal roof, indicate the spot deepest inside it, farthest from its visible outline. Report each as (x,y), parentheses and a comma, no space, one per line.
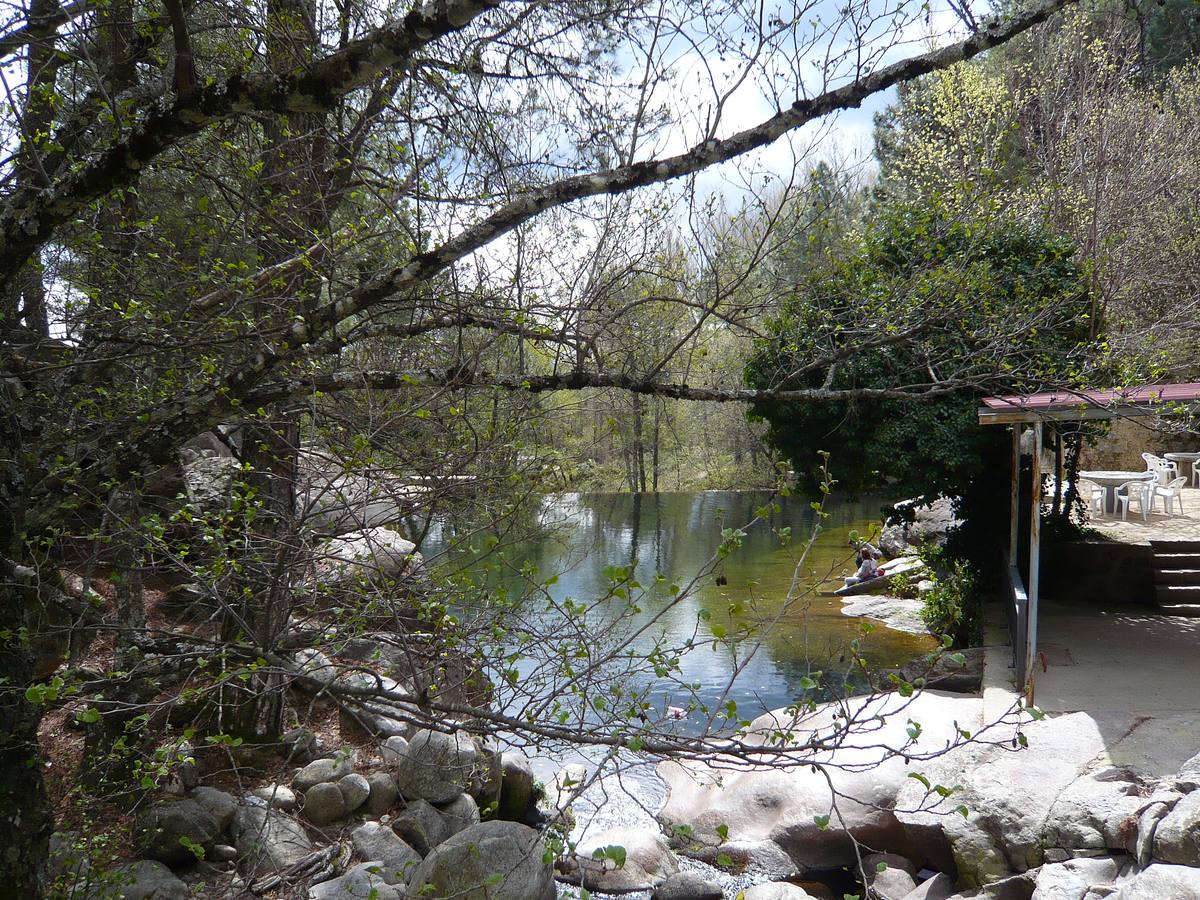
(1148,394)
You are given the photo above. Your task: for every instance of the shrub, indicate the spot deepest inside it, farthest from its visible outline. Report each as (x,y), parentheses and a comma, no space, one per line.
(953,607)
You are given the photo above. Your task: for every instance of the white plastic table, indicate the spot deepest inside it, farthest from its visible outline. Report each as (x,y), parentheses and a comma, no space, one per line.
(1192,458)
(1110,480)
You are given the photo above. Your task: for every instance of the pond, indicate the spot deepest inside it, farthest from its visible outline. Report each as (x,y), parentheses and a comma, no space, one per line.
(579,538)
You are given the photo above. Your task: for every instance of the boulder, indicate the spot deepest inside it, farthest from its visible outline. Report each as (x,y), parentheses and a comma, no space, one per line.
(1177,838)
(315,665)
(300,745)
(459,814)
(939,887)
(393,749)
(276,795)
(372,553)
(491,861)
(788,804)
(776,890)
(381,650)
(334,500)
(516,787)
(686,886)
(147,879)
(165,830)
(889,877)
(1188,777)
(1014,887)
(220,804)
(183,774)
(943,673)
(323,770)
(436,766)
(223,853)
(1071,880)
(648,860)
(421,826)
(267,840)
(929,525)
(1097,813)
(897,613)
(355,790)
(375,841)
(1146,827)
(388,726)
(1160,882)
(383,793)
(764,859)
(488,775)
(68,861)
(1008,796)
(363,882)
(208,482)
(324,803)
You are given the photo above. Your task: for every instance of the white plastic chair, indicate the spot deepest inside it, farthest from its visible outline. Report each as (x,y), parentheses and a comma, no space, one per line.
(1095,495)
(1164,469)
(1196,473)
(1138,492)
(1170,493)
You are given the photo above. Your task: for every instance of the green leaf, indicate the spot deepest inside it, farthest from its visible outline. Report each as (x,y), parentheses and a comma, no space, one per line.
(614,852)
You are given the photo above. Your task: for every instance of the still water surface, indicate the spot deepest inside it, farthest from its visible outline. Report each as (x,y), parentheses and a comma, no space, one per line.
(578,537)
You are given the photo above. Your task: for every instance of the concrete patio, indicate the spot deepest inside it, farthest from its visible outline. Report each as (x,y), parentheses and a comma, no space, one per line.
(1158,527)
(1103,661)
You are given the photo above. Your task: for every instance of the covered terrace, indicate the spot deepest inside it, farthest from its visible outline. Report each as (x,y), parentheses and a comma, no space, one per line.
(1069,655)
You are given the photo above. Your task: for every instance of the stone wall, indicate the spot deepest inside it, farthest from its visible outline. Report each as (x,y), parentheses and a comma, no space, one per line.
(1125,442)
(1098,573)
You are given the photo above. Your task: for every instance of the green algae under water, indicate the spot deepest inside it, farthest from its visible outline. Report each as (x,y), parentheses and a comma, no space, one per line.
(579,538)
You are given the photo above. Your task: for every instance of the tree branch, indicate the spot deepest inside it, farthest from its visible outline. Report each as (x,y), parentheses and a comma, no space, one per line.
(420,268)
(30,217)
(574,381)
(14,40)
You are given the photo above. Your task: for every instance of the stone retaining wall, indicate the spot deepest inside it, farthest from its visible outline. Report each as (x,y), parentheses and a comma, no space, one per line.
(1098,573)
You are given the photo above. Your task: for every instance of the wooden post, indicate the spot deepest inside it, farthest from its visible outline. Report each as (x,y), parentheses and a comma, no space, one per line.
(1035,540)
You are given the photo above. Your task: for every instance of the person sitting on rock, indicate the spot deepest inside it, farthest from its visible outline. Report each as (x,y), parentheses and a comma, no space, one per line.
(866,568)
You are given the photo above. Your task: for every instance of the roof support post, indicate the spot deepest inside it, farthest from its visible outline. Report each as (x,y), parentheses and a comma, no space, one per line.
(1035,541)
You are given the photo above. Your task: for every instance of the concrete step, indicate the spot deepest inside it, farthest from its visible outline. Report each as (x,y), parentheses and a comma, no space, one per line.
(1177,593)
(1177,576)
(1177,560)
(1175,546)
(1190,610)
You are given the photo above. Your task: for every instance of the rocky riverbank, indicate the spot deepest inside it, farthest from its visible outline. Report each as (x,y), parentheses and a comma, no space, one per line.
(1068,808)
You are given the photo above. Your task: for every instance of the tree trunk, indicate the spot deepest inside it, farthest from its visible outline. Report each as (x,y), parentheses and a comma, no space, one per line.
(26,819)
(655,446)
(271,451)
(291,210)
